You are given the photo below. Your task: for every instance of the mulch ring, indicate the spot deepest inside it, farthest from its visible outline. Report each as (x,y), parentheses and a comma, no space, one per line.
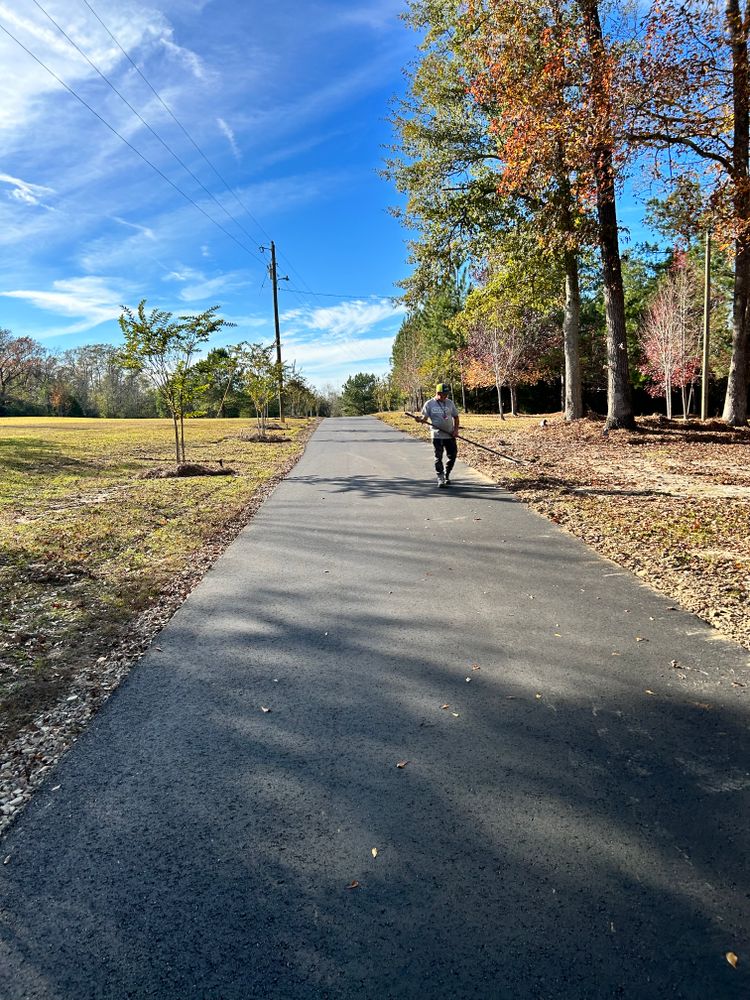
(258,438)
(185,469)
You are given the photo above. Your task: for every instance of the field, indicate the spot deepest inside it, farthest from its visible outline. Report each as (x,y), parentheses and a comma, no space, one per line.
(670,501)
(95,558)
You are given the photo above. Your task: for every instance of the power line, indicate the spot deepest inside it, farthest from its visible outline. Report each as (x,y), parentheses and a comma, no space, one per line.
(143,120)
(175,119)
(129,144)
(187,134)
(335,295)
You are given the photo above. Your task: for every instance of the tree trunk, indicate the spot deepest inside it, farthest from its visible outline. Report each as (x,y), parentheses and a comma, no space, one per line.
(182,435)
(735,402)
(499,401)
(619,406)
(176,438)
(513,400)
(571,339)
(572,393)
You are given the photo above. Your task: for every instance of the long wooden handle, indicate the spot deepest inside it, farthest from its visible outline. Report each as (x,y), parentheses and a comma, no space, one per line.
(492,451)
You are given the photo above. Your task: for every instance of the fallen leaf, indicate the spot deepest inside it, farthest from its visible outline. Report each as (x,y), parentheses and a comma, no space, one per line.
(639,638)
(445,706)
(674,664)
(5,862)
(354,884)
(402,764)
(159,649)
(454,714)
(475,666)
(616,654)
(537,695)
(732,959)
(468,680)
(558,635)
(374,852)
(264,709)
(738,684)
(649,691)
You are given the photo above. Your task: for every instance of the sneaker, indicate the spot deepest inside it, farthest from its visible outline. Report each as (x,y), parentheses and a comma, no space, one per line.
(447,481)
(440,479)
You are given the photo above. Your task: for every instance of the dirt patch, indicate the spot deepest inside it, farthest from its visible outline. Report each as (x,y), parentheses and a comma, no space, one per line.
(185,469)
(264,438)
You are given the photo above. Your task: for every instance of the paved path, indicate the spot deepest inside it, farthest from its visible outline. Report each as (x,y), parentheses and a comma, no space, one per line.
(573,825)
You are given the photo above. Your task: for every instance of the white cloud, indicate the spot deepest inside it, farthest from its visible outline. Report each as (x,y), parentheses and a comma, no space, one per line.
(24,81)
(187,58)
(24,191)
(230,137)
(144,230)
(315,356)
(346,320)
(90,299)
(199,286)
(342,338)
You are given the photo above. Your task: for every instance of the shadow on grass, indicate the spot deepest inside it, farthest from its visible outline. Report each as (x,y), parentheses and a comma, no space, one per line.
(24,454)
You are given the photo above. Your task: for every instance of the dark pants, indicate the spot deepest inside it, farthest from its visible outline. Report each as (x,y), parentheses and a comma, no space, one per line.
(451,449)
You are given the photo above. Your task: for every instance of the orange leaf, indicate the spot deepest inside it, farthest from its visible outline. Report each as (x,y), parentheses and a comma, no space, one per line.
(354,884)
(732,959)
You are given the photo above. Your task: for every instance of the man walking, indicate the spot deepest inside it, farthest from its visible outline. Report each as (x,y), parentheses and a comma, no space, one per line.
(442,416)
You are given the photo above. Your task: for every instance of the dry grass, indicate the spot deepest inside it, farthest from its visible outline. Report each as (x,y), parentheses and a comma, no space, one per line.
(89,545)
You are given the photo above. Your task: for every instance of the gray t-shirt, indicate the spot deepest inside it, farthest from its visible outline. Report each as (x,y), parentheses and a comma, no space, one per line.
(440,414)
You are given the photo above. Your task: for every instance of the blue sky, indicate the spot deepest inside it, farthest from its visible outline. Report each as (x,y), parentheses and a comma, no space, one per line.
(288,101)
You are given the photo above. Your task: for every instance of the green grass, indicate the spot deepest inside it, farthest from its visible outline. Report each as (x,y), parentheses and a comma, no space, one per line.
(86,545)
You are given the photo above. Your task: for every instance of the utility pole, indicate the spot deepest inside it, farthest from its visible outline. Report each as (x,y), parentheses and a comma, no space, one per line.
(275,282)
(706,327)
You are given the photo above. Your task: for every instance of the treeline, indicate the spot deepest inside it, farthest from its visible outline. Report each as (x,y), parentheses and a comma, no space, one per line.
(520,126)
(86,381)
(103,380)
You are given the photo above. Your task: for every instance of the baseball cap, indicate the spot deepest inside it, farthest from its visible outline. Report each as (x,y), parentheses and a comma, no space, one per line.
(442,387)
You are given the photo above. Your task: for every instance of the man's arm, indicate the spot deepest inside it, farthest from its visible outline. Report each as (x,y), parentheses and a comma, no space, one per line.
(456,422)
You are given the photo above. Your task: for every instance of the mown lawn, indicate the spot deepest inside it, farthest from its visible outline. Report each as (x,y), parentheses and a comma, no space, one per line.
(86,545)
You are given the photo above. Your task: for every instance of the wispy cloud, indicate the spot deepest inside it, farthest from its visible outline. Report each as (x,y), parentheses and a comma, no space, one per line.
(198,286)
(90,299)
(230,137)
(339,339)
(372,15)
(316,356)
(24,191)
(189,59)
(346,320)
